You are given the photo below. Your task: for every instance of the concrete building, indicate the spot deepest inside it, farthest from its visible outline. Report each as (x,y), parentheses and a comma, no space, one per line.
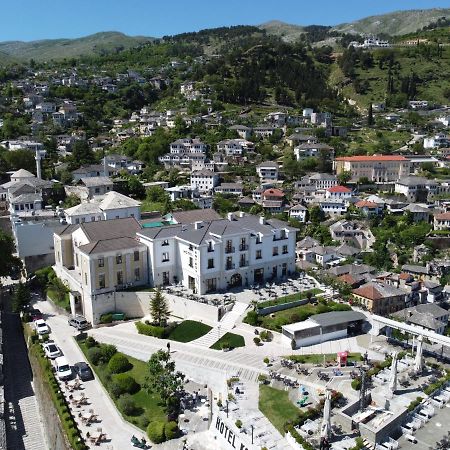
(267,171)
(298,212)
(323,327)
(377,168)
(380,298)
(442,221)
(204,180)
(429,317)
(415,188)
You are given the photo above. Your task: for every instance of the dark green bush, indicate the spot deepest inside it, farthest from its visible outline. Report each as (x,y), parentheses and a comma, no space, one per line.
(171,430)
(106,318)
(128,406)
(155,432)
(252,318)
(143,422)
(95,355)
(115,389)
(90,342)
(107,352)
(127,383)
(356,384)
(151,330)
(119,363)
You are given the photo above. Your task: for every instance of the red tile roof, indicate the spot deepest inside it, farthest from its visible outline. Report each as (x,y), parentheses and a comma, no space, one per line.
(339,189)
(365,204)
(372,158)
(273,193)
(347,278)
(442,216)
(368,291)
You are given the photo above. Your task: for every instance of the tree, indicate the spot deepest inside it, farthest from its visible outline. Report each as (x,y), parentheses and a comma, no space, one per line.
(135,187)
(162,377)
(344,177)
(8,262)
(20,298)
(159,308)
(316,215)
(82,154)
(71,200)
(370,116)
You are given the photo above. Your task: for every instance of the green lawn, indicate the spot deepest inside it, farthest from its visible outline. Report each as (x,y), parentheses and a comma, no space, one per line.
(318,358)
(151,404)
(188,331)
(289,298)
(299,314)
(276,406)
(64,303)
(233,340)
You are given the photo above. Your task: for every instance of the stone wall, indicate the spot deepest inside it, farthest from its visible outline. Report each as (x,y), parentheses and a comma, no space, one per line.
(282,306)
(137,304)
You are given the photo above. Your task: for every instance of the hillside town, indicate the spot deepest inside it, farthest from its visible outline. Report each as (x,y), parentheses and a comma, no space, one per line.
(284,265)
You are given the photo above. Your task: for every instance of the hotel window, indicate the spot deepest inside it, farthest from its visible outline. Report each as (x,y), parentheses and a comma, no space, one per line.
(101,262)
(119,277)
(136,255)
(191,262)
(211,263)
(118,259)
(137,274)
(165,257)
(258,254)
(285,249)
(85,278)
(165,242)
(101,281)
(275,251)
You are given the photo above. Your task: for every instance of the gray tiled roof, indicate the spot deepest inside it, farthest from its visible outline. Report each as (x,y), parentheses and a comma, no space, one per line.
(108,245)
(110,229)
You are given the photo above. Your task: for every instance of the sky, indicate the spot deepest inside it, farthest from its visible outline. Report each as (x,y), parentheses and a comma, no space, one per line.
(48,19)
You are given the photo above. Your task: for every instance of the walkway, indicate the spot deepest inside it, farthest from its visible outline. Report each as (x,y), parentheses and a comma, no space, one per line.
(24,429)
(227,323)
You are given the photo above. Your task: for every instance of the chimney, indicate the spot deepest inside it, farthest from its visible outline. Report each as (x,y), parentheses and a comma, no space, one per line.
(198,225)
(230,217)
(262,221)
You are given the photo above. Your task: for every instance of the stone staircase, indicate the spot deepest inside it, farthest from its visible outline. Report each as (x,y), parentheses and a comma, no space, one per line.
(225,325)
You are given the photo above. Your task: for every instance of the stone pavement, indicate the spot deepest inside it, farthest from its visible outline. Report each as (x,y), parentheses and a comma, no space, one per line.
(24,429)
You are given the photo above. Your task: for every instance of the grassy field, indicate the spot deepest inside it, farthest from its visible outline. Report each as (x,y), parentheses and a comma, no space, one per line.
(189,330)
(318,358)
(151,404)
(276,406)
(289,298)
(233,341)
(368,140)
(299,314)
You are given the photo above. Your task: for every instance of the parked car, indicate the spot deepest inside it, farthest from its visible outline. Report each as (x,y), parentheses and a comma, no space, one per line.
(78,322)
(63,369)
(35,314)
(51,350)
(41,327)
(83,371)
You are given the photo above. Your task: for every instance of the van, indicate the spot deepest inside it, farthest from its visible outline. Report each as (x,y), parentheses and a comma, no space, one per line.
(63,369)
(78,322)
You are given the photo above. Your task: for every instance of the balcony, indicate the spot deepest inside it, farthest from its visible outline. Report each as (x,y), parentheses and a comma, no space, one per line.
(243,247)
(229,266)
(229,249)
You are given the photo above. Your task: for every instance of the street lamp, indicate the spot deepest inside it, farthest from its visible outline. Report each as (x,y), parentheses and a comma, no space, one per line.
(227,408)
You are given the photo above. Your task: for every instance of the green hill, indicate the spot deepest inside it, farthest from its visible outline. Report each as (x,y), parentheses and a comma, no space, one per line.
(288,32)
(95,44)
(394,24)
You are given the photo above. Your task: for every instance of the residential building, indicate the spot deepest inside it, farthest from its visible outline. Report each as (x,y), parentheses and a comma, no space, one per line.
(298,212)
(368,208)
(229,188)
(420,213)
(429,317)
(415,188)
(377,168)
(436,141)
(313,150)
(242,131)
(333,207)
(352,233)
(338,193)
(204,180)
(267,171)
(442,221)
(234,147)
(380,298)
(272,200)
(87,188)
(183,152)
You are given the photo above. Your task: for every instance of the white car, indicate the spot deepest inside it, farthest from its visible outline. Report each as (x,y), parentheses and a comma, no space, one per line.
(63,369)
(51,350)
(41,327)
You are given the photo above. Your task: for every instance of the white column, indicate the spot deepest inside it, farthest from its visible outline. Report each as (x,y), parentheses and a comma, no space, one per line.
(393,376)
(418,359)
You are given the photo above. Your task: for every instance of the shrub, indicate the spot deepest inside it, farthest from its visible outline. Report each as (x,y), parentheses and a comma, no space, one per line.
(107,352)
(257,340)
(119,363)
(266,335)
(238,423)
(171,430)
(128,406)
(155,432)
(252,318)
(151,330)
(127,383)
(115,389)
(106,318)
(225,344)
(95,355)
(90,342)
(356,384)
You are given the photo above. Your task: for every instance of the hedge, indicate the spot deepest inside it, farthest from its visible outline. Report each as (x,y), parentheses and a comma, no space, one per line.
(171,430)
(152,330)
(126,383)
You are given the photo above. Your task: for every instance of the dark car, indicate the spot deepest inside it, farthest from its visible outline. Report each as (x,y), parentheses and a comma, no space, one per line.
(83,371)
(35,314)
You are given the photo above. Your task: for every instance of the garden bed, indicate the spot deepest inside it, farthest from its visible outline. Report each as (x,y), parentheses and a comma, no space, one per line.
(188,331)
(229,340)
(289,298)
